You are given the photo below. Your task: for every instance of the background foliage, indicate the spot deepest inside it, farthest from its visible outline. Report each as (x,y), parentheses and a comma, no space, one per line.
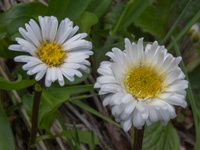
(85,123)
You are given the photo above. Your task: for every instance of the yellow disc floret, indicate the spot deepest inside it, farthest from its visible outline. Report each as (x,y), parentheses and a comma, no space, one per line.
(51,54)
(143,82)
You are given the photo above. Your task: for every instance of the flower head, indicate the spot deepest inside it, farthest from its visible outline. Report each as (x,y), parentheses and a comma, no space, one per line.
(142,85)
(54,50)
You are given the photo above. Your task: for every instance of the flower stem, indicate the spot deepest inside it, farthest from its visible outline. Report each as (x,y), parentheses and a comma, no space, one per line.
(35,110)
(138,138)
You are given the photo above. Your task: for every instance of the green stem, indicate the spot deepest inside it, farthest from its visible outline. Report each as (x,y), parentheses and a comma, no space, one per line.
(138,138)
(35,110)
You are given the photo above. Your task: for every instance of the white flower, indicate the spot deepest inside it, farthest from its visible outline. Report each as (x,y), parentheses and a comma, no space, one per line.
(142,85)
(55,51)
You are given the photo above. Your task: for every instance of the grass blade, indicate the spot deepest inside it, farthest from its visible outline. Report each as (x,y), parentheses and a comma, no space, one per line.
(93,111)
(189,90)
(175,24)
(187,27)
(131,12)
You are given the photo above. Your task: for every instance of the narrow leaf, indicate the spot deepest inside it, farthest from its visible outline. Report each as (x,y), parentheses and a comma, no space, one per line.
(17,85)
(189,90)
(131,12)
(6,136)
(93,111)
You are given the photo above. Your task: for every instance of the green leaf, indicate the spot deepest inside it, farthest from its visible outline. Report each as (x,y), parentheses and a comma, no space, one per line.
(75,8)
(57,8)
(47,112)
(92,145)
(157,17)
(150,21)
(48,119)
(62,92)
(27,100)
(6,136)
(100,6)
(50,101)
(131,12)
(158,137)
(52,98)
(4,52)
(17,85)
(197,146)
(87,19)
(75,136)
(14,25)
(32,9)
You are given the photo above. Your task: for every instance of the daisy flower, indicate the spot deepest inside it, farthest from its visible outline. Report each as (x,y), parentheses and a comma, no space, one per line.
(142,85)
(55,50)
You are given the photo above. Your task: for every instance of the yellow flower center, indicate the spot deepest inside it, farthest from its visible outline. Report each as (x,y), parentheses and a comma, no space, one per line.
(51,54)
(143,82)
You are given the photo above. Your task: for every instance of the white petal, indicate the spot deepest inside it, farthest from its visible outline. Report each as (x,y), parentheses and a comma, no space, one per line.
(15,47)
(130,107)
(178,85)
(107,99)
(138,121)
(127,124)
(40,74)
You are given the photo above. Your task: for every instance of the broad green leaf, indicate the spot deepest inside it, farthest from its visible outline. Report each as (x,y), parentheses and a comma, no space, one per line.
(16,85)
(50,101)
(57,8)
(86,20)
(32,9)
(15,24)
(133,10)
(47,120)
(47,112)
(100,6)
(158,137)
(52,98)
(4,52)
(150,21)
(75,8)
(6,136)
(156,18)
